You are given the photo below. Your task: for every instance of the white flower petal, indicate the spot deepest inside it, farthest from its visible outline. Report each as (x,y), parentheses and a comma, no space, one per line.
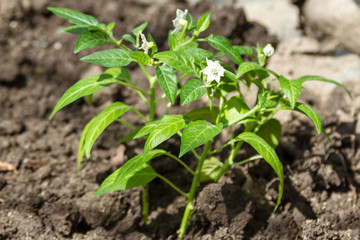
(214,71)
(268,50)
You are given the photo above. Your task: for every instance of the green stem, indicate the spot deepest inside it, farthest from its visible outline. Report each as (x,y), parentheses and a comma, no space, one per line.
(171,184)
(181,162)
(145,203)
(230,160)
(211,104)
(248,160)
(126,123)
(189,206)
(140,114)
(152,98)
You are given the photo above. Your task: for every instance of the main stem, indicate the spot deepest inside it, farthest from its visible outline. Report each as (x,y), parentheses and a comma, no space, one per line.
(152,105)
(189,206)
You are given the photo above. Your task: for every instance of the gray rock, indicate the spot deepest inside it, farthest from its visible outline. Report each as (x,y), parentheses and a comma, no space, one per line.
(338,18)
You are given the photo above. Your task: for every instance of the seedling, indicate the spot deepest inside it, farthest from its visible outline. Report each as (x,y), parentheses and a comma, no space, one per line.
(188,72)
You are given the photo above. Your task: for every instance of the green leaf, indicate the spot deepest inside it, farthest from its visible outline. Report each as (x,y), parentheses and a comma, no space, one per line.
(271,132)
(141,58)
(136,31)
(247,67)
(110,26)
(223,44)
(243,50)
(109,58)
(74,17)
(76,29)
(101,121)
(129,38)
(291,88)
(268,153)
(191,91)
(203,22)
(167,80)
(234,109)
(175,44)
(134,172)
(311,113)
(322,79)
(90,39)
(307,110)
(165,128)
(179,60)
(198,53)
(202,113)
(83,87)
(119,74)
(139,132)
(264,102)
(196,134)
(210,169)
(81,149)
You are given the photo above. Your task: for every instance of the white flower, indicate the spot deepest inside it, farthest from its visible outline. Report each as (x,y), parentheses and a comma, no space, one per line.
(213,71)
(268,50)
(145,44)
(180,20)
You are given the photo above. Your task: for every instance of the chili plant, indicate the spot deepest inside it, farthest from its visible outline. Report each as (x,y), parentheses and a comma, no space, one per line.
(188,72)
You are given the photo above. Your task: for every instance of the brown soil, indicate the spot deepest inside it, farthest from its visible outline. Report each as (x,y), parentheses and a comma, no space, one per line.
(46,198)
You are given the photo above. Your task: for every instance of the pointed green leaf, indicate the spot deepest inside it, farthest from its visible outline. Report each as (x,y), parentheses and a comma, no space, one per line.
(81,149)
(268,153)
(167,80)
(311,113)
(196,134)
(90,39)
(198,53)
(119,74)
(165,128)
(134,172)
(74,17)
(101,121)
(271,132)
(139,132)
(109,58)
(202,113)
(291,88)
(179,60)
(141,58)
(322,79)
(234,110)
(136,31)
(305,109)
(210,169)
(203,22)
(191,91)
(83,87)
(247,67)
(76,29)
(223,44)
(243,50)
(129,38)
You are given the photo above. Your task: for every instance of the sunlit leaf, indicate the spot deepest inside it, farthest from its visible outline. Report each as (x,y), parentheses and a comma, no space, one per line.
(101,121)
(90,39)
(191,91)
(74,17)
(223,44)
(167,80)
(268,153)
(83,87)
(165,128)
(134,172)
(291,88)
(196,134)
(109,58)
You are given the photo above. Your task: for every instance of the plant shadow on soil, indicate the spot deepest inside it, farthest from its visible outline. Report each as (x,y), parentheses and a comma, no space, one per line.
(47,199)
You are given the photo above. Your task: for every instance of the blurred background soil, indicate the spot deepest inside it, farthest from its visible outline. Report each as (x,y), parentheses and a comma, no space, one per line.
(43,197)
